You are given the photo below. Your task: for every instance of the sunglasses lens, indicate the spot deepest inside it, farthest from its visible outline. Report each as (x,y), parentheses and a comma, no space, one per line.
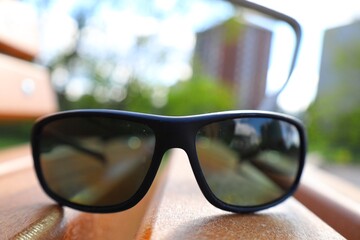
(249,161)
(95,161)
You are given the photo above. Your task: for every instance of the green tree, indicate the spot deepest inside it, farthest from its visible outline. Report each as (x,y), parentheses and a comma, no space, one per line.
(201,94)
(335,136)
(333,120)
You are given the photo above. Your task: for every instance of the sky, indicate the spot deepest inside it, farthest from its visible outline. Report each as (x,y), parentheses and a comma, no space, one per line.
(314,17)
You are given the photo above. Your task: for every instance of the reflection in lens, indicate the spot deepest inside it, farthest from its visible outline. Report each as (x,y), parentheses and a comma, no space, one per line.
(249,161)
(95,161)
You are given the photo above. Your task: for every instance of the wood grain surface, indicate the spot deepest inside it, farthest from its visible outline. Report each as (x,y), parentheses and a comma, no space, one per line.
(173,209)
(334,200)
(27,213)
(184,213)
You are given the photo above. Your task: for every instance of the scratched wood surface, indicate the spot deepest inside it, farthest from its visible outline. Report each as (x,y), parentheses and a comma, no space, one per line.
(183,213)
(334,200)
(27,213)
(174,209)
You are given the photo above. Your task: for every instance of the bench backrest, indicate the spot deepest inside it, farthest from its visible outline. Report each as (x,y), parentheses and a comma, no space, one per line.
(25,90)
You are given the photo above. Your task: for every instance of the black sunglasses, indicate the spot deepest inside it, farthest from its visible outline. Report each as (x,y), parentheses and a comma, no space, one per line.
(105,160)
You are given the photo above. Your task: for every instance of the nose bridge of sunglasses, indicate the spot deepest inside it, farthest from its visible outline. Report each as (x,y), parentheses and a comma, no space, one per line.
(176,135)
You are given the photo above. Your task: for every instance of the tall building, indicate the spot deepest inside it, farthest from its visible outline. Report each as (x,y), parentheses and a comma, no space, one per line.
(237,54)
(340,67)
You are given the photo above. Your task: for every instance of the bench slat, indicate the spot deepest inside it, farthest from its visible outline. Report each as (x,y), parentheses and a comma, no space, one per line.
(27,213)
(25,90)
(333,200)
(19,30)
(184,213)
(174,209)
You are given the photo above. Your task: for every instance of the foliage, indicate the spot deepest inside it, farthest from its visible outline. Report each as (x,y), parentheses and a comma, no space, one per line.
(137,98)
(104,86)
(333,122)
(334,118)
(194,96)
(199,95)
(335,136)
(14,133)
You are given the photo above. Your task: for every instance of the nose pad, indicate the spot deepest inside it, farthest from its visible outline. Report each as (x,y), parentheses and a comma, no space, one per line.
(188,155)
(184,175)
(175,154)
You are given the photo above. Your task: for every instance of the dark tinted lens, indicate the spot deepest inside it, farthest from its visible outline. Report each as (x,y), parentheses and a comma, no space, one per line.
(95,161)
(249,161)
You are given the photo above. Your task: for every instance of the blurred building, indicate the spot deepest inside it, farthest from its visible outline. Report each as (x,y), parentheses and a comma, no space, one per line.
(340,67)
(237,54)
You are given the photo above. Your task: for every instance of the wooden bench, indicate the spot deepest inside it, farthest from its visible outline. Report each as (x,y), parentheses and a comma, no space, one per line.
(174,208)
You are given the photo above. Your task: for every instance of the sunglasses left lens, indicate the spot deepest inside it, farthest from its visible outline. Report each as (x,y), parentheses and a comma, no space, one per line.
(95,161)
(249,162)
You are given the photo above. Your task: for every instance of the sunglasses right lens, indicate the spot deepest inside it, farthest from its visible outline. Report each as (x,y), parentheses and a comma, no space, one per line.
(249,162)
(94,161)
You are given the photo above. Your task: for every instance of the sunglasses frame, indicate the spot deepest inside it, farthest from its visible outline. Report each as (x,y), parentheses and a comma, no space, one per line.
(170,132)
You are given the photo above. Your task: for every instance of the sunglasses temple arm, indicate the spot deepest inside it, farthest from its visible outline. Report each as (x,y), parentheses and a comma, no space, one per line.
(63,139)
